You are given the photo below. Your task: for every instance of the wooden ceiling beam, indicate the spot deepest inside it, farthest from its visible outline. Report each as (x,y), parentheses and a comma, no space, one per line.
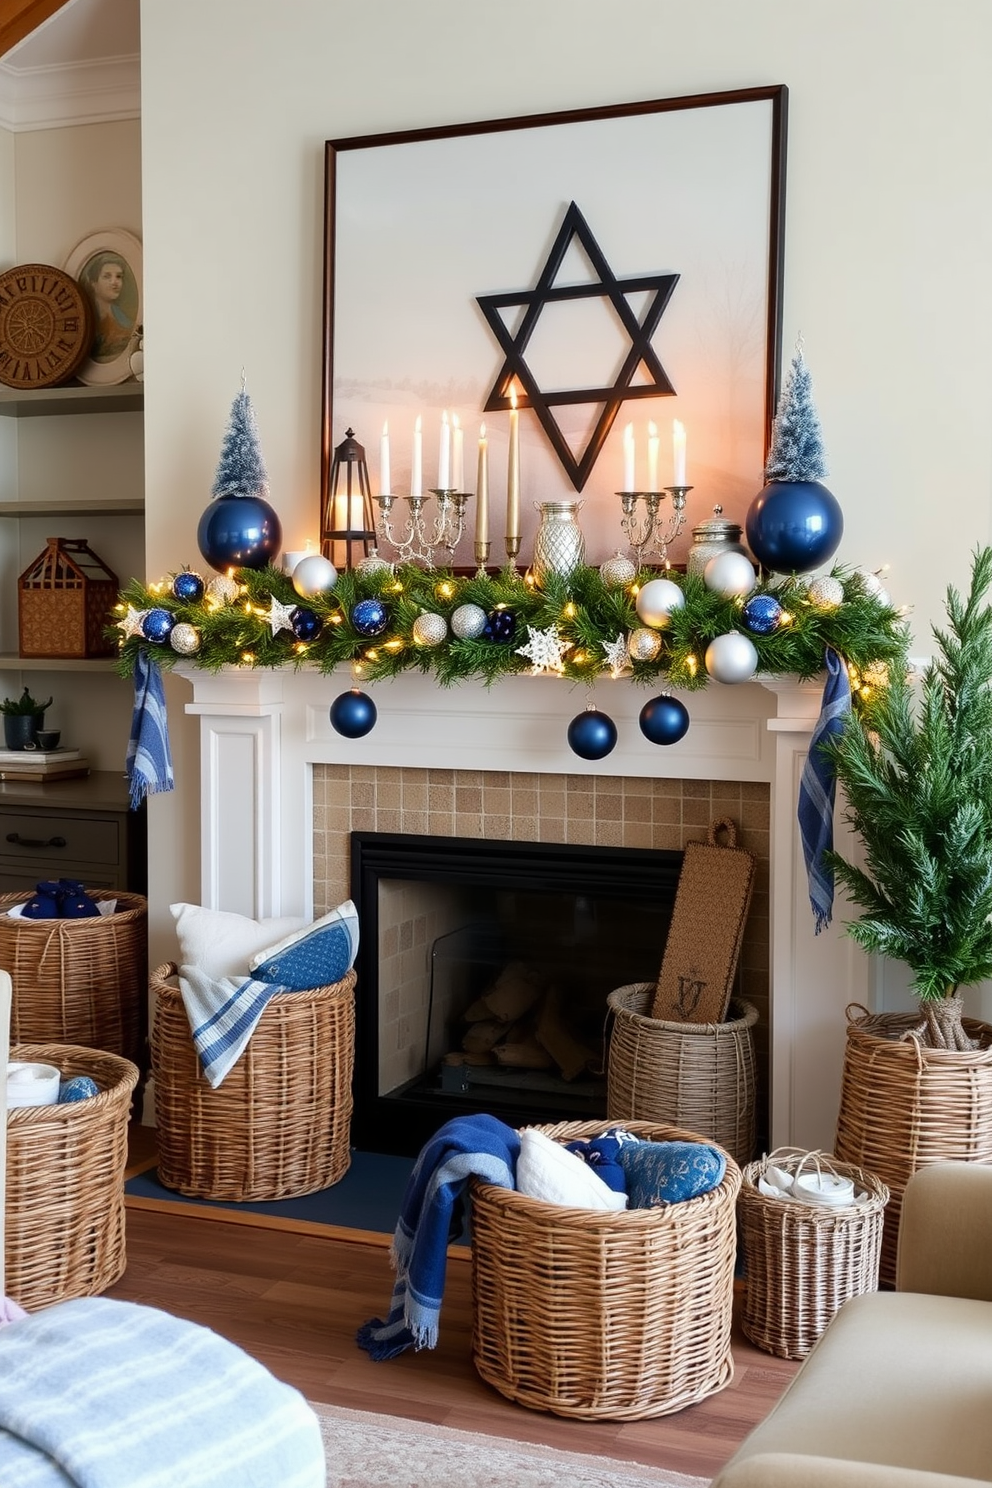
(18,18)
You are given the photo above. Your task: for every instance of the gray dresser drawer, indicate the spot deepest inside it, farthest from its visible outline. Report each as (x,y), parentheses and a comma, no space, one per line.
(63,838)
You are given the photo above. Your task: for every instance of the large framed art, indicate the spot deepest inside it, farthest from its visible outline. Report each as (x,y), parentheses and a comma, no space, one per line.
(613,274)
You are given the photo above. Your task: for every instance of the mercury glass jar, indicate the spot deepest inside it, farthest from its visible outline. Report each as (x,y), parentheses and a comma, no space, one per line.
(559,547)
(716,535)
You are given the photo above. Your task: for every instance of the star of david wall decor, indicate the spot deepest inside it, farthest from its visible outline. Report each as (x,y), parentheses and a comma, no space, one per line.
(612,270)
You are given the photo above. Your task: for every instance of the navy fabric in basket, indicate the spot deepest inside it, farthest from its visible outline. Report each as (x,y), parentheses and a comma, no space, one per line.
(668,1172)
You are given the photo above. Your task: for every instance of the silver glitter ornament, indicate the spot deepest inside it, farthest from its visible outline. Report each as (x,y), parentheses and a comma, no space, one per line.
(617,571)
(468,622)
(373,564)
(644,645)
(429,629)
(222,589)
(185,639)
(825,592)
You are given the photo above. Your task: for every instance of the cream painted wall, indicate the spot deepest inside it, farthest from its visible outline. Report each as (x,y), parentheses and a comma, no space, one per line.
(888,247)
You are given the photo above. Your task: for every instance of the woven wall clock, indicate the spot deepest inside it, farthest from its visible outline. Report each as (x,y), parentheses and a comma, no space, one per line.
(46,326)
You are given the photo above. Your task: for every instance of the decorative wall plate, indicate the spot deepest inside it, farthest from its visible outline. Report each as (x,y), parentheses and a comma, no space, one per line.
(107,266)
(46,326)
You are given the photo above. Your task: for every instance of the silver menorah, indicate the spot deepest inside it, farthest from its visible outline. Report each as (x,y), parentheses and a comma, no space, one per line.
(420,537)
(651,533)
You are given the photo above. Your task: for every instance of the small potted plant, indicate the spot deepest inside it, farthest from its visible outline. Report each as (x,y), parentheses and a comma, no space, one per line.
(22,718)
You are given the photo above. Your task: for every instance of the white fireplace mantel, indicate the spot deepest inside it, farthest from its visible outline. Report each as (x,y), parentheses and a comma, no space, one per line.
(261,732)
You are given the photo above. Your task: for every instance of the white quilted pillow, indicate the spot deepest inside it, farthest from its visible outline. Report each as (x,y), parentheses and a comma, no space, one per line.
(547,1170)
(220,943)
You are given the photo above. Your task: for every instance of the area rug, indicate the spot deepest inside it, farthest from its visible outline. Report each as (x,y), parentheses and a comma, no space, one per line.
(370,1451)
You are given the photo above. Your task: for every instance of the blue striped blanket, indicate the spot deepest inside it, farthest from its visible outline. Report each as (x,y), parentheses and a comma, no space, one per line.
(102,1394)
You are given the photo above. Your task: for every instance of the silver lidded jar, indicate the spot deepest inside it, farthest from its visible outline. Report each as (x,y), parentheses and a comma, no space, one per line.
(714,536)
(559,546)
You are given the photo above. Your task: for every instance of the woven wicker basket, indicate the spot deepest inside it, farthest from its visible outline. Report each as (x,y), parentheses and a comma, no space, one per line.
(604,1315)
(80,982)
(698,1075)
(65,1182)
(801,1262)
(279,1124)
(903,1107)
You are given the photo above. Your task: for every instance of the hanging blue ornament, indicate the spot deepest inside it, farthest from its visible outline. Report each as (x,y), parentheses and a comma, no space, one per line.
(664,720)
(157,625)
(762,614)
(353,714)
(188,586)
(591,735)
(500,626)
(305,624)
(369,617)
(794,526)
(240,529)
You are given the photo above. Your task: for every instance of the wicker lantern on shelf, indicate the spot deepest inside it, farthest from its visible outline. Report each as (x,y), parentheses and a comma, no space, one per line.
(64,600)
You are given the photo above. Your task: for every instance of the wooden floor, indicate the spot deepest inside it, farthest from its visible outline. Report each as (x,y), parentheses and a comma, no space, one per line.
(294,1301)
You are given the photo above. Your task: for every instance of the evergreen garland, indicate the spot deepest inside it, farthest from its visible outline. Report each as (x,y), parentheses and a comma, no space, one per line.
(796,452)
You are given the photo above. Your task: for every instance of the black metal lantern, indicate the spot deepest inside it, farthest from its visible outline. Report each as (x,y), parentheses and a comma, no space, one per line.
(349,526)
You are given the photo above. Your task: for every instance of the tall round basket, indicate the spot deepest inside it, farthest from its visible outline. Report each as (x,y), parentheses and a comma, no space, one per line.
(81,982)
(903,1106)
(279,1124)
(65,1182)
(599,1314)
(698,1075)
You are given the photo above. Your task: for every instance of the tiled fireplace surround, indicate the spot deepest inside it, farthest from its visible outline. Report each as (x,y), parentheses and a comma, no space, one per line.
(281,792)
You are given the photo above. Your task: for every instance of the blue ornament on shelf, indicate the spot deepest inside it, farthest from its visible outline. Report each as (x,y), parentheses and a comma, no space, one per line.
(794,526)
(500,626)
(157,625)
(188,586)
(306,625)
(353,714)
(369,617)
(664,720)
(77,1088)
(762,614)
(239,532)
(591,735)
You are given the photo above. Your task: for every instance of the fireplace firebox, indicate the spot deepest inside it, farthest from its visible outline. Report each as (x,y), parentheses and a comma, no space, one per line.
(483,972)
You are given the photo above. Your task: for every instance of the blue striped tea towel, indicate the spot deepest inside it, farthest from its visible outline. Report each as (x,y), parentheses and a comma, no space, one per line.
(223,1015)
(149,760)
(818,789)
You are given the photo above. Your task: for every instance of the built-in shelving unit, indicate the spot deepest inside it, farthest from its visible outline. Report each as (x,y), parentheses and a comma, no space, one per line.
(123,397)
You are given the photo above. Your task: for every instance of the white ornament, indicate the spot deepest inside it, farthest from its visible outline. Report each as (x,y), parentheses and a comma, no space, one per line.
(730,574)
(873,586)
(826,592)
(618,571)
(468,622)
(222,590)
(314,575)
(184,639)
(546,649)
(618,653)
(644,645)
(429,629)
(131,624)
(657,600)
(731,658)
(279,615)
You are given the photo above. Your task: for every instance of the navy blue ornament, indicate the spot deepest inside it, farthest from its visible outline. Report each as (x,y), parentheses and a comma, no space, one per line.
(794,526)
(353,714)
(664,720)
(762,614)
(306,625)
(157,625)
(500,626)
(188,586)
(239,532)
(591,735)
(369,617)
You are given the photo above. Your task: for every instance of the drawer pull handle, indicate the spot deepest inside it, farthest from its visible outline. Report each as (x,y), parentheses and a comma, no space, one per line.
(35,841)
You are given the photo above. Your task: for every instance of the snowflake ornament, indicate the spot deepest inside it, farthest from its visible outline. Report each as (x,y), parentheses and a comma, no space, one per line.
(546,649)
(617,655)
(280,616)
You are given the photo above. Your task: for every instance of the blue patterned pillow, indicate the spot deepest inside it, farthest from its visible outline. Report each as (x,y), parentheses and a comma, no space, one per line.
(316,956)
(666,1172)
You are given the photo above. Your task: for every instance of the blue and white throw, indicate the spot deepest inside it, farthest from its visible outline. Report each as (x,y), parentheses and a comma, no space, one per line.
(818,789)
(149,759)
(466,1147)
(102,1394)
(223,1014)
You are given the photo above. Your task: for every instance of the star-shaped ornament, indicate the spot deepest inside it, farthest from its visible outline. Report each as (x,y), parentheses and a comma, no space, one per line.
(279,615)
(617,655)
(546,649)
(131,623)
(641,361)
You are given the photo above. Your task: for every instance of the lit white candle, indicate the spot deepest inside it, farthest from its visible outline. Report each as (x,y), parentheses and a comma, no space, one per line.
(513,474)
(652,457)
(444,455)
(628,458)
(482,489)
(417,464)
(457,454)
(678,450)
(385,476)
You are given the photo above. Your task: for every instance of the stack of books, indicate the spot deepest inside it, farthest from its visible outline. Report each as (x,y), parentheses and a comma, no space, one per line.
(42,764)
